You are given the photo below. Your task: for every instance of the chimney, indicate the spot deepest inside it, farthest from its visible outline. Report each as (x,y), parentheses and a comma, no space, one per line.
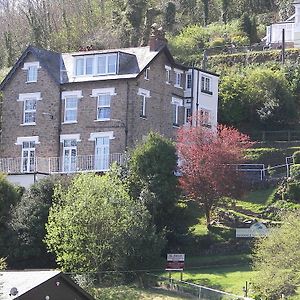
(157,38)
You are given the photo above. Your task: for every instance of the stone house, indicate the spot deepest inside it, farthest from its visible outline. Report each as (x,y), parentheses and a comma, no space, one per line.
(73,112)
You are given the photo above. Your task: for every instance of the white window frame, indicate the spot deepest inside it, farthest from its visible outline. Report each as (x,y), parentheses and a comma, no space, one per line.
(72,167)
(205,117)
(178,78)
(95,58)
(143,101)
(70,95)
(176,102)
(20,142)
(103,106)
(96,93)
(146,74)
(206,84)
(31,67)
(187,76)
(168,74)
(70,109)
(106,56)
(29,97)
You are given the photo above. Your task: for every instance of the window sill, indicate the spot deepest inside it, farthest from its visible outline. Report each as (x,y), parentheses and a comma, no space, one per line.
(31,81)
(207,92)
(178,86)
(143,117)
(176,125)
(71,122)
(28,124)
(102,120)
(167,82)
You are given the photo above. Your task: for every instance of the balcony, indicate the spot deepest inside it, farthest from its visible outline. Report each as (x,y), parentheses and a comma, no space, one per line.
(53,165)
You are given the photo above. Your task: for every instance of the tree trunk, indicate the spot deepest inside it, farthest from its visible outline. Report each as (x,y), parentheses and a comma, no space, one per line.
(208,216)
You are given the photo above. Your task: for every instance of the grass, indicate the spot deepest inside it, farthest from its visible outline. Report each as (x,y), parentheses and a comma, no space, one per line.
(133,293)
(230,279)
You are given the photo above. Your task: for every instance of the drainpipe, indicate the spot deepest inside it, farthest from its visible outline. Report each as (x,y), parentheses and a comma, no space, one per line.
(126,117)
(59,125)
(192,95)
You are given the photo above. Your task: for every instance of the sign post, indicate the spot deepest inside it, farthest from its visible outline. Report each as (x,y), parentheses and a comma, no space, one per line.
(175,262)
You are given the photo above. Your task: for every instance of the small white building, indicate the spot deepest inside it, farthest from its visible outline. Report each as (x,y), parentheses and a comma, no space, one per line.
(291,28)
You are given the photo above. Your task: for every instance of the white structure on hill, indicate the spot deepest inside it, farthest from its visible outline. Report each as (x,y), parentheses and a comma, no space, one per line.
(291,27)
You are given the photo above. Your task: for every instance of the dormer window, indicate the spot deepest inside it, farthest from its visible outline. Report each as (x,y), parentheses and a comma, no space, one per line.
(32,71)
(101,64)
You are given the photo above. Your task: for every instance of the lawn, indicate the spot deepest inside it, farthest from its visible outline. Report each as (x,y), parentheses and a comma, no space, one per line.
(230,279)
(132,293)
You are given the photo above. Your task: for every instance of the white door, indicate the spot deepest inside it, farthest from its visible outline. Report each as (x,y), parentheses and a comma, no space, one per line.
(102,153)
(28,157)
(69,156)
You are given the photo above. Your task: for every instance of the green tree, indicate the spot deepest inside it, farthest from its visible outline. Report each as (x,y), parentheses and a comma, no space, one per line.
(9,196)
(277,259)
(95,226)
(27,224)
(151,168)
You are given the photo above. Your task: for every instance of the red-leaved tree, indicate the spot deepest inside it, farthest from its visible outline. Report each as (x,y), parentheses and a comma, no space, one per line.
(207,163)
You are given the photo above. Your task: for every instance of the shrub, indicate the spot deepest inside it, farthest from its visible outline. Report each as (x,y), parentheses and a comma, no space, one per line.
(296,157)
(295,171)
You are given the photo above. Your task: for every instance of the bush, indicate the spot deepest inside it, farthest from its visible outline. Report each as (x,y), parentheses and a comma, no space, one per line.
(295,171)
(296,157)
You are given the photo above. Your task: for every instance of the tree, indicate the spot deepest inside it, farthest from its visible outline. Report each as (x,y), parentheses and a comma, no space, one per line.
(277,259)
(9,196)
(95,225)
(151,168)
(27,224)
(206,163)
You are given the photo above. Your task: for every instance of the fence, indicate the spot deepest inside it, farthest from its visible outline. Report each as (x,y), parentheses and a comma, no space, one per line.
(195,290)
(258,172)
(275,136)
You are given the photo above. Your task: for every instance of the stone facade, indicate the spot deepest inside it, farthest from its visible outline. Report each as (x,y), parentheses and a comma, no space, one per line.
(125,126)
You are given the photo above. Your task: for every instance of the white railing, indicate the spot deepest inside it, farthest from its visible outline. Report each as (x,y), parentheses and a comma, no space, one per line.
(50,165)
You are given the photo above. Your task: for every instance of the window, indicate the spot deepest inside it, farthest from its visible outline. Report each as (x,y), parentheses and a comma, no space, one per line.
(146,75)
(144,94)
(102,149)
(70,99)
(32,71)
(143,106)
(103,107)
(176,103)
(106,64)
(168,74)
(69,157)
(80,66)
(178,79)
(206,85)
(32,74)
(29,107)
(188,81)
(28,156)
(205,117)
(187,114)
(96,64)
(70,109)
(29,111)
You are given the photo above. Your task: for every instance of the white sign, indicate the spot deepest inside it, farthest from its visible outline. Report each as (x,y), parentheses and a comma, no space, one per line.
(175,257)
(256,230)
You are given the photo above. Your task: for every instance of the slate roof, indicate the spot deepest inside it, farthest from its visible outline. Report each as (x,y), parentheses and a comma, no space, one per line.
(60,66)
(24,281)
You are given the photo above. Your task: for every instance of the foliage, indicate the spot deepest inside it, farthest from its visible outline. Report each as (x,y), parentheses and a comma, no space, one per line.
(296,157)
(27,224)
(276,258)
(9,196)
(95,226)
(257,98)
(151,177)
(206,159)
